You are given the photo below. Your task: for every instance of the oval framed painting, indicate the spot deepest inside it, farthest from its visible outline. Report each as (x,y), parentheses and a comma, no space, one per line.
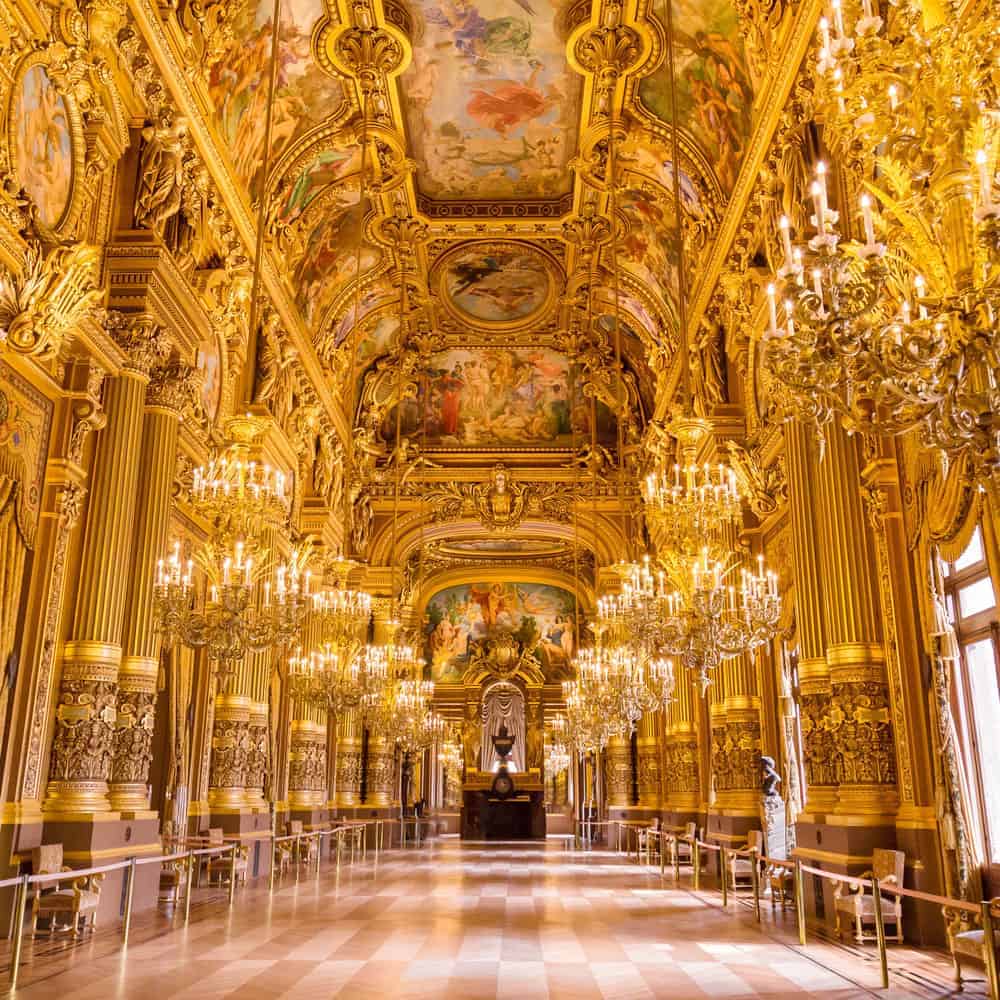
(45,147)
(497,284)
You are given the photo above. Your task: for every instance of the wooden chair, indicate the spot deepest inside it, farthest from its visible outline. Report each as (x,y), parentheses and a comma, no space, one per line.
(220,866)
(685,844)
(858,903)
(173,879)
(966,939)
(79,899)
(741,869)
(308,850)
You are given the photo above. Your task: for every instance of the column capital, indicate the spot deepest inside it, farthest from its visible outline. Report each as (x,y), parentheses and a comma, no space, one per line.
(173,386)
(140,337)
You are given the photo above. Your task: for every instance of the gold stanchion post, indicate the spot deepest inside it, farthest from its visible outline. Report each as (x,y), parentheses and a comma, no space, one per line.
(20,905)
(129,890)
(883,958)
(755,881)
(192,860)
(992,975)
(724,870)
(800,903)
(232,875)
(696,863)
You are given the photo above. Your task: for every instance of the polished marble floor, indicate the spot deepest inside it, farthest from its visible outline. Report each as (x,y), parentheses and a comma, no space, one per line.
(456,920)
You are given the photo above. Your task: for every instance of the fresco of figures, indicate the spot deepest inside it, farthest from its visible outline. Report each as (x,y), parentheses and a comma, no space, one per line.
(500,283)
(238,84)
(474,611)
(484,397)
(491,103)
(714,94)
(330,258)
(44,161)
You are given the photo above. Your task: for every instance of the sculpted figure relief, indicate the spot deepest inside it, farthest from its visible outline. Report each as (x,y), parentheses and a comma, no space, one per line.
(161,173)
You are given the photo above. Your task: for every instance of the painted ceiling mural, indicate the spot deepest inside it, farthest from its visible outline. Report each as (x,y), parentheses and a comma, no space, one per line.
(714,93)
(481,398)
(492,106)
(472,612)
(238,84)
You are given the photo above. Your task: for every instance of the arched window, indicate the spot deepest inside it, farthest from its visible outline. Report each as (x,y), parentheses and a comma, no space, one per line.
(976,695)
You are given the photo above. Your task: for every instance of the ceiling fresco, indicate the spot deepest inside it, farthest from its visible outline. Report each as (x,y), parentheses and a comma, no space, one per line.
(713,89)
(305,95)
(492,106)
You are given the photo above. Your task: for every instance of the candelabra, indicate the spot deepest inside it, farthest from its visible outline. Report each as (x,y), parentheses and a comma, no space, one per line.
(898,332)
(237,612)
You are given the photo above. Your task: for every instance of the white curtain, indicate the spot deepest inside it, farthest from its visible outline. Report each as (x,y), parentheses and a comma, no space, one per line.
(503,705)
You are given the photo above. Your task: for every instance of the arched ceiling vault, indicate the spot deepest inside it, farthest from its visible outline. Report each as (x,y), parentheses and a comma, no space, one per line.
(478,179)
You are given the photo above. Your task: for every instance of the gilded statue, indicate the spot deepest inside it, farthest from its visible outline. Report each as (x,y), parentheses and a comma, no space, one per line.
(708,378)
(273,385)
(328,469)
(161,173)
(408,458)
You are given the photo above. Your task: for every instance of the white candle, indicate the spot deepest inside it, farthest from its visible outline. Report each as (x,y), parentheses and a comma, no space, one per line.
(866,216)
(838,18)
(824,34)
(789,322)
(818,284)
(817,197)
(893,97)
(985,181)
(772,309)
(786,241)
(821,178)
(920,286)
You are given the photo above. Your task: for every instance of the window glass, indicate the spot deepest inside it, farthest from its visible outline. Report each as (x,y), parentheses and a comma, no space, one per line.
(981,660)
(976,597)
(973,553)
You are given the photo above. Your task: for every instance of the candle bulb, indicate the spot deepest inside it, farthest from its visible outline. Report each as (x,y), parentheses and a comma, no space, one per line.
(866,216)
(789,322)
(824,34)
(920,287)
(772,310)
(985,181)
(818,285)
(821,180)
(784,226)
(818,215)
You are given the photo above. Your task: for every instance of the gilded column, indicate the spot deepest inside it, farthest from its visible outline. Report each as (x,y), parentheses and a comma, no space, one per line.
(814,673)
(230,753)
(349,744)
(170,390)
(648,764)
(859,721)
(83,745)
(681,785)
(380,761)
(618,772)
(307,764)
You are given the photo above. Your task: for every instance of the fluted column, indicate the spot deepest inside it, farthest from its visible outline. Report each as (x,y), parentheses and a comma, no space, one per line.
(380,761)
(83,745)
(810,620)
(858,718)
(170,390)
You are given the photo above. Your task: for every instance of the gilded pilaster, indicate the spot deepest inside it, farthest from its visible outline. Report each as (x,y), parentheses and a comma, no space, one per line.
(648,764)
(681,784)
(170,390)
(83,746)
(618,772)
(810,620)
(380,769)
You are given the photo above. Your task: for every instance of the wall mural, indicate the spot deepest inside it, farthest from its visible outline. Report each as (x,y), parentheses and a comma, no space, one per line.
(238,84)
(42,146)
(474,611)
(714,94)
(328,167)
(496,283)
(502,547)
(483,397)
(491,103)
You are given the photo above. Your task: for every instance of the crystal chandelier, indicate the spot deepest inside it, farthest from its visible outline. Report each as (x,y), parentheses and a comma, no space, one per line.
(898,331)
(240,612)
(412,723)
(557,755)
(710,621)
(450,753)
